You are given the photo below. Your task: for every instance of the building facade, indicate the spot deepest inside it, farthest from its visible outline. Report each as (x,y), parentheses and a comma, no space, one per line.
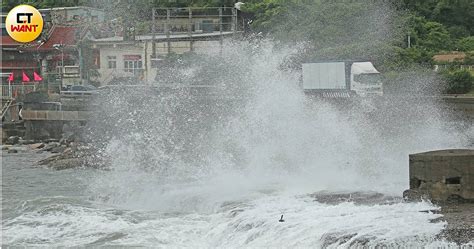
(137,60)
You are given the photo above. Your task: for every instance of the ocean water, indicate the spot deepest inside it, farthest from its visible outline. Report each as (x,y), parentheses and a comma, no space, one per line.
(42,207)
(220,170)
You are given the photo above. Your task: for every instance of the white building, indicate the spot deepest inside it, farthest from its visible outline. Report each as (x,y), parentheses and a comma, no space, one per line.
(121,58)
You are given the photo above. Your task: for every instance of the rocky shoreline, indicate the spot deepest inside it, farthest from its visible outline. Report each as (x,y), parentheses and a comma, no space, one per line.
(460,219)
(66,154)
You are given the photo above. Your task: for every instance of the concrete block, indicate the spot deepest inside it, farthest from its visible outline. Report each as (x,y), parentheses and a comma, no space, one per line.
(443,174)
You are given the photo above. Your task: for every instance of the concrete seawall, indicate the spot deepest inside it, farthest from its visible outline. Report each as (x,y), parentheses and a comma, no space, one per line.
(461,103)
(50,124)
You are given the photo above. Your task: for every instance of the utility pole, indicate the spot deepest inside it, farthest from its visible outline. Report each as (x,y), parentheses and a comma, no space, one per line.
(190,28)
(60,47)
(220,28)
(62,64)
(81,64)
(168,16)
(153,35)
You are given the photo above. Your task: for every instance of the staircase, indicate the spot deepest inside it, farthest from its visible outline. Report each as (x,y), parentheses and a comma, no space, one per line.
(6,106)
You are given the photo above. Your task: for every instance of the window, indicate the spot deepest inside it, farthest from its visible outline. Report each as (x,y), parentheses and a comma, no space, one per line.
(112,61)
(133,64)
(370,79)
(453,180)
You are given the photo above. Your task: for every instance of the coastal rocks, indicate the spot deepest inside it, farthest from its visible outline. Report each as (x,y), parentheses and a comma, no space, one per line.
(59,149)
(25,142)
(59,163)
(460,222)
(415,195)
(75,155)
(13,148)
(68,152)
(16,149)
(36,146)
(13,140)
(51,146)
(51,140)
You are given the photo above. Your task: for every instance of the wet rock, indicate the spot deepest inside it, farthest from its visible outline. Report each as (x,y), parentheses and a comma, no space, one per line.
(51,140)
(6,146)
(36,146)
(67,163)
(13,140)
(49,160)
(67,151)
(51,145)
(415,195)
(67,138)
(59,149)
(16,149)
(76,156)
(460,219)
(25,142)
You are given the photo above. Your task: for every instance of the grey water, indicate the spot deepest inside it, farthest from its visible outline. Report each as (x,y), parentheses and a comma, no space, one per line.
(43,207)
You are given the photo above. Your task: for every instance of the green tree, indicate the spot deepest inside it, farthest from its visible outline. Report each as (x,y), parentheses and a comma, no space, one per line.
(459,13)
(429,35)
(466,44)
(458,81)
(332,29)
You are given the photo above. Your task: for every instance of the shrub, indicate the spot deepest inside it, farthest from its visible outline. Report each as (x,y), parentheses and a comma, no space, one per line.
(458,81)
(466,44)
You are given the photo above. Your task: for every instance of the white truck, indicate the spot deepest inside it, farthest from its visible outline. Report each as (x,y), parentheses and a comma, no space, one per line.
(336,78)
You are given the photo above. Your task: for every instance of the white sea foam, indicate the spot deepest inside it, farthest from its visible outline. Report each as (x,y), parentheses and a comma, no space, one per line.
(253,223)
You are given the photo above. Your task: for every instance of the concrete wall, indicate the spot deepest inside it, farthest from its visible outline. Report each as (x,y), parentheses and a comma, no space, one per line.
(40,129)
(461,103)
(444,174)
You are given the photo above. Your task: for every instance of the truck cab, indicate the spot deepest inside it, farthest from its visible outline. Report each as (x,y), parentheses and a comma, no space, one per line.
(365,79)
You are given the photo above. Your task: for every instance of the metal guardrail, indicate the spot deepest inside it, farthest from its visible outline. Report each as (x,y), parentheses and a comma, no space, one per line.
(191,19)
(77,93)
(55,115)
(446,66)
(12,91)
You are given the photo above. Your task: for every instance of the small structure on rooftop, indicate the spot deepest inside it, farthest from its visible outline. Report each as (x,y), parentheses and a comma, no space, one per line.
(442,175)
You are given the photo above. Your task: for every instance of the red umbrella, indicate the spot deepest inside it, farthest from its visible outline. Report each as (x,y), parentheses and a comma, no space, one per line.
(37,77)
(25,78)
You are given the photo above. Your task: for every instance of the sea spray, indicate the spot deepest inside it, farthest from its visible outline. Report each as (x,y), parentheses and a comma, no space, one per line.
(256,132)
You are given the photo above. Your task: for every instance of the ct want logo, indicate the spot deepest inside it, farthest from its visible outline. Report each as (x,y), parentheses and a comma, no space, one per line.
(24,23)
